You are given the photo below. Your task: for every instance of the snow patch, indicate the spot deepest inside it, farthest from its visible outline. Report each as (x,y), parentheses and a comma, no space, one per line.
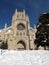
(0,30)
(8,31)
(24,57)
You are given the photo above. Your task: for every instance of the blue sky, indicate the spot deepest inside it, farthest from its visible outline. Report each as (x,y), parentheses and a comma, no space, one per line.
(33,8)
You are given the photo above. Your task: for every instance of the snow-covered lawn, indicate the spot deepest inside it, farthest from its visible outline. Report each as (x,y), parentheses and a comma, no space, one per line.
(34,57)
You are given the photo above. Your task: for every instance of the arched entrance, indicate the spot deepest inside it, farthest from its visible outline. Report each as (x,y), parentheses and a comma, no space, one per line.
(21,45)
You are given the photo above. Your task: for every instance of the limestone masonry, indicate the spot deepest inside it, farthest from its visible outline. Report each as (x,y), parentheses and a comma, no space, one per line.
(19,35)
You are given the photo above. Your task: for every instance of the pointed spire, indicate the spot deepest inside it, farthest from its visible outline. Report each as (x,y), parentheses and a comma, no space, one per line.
(6,25)
(16,11)
(34,26)
(24,10)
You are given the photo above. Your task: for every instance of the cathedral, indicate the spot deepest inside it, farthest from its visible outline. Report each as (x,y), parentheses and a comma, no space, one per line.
(18,36)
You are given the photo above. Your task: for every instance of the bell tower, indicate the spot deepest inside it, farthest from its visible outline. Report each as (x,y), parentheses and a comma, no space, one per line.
(20,26)
(20,23)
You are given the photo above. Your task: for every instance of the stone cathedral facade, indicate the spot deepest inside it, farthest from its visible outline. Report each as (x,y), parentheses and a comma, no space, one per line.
(19,35)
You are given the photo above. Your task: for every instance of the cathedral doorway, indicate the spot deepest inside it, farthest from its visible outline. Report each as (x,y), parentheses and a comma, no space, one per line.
(21,45)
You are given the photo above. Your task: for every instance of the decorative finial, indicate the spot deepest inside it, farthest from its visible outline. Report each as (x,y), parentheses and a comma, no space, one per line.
(16,11)
(34,26)
(24,10)
(6,25)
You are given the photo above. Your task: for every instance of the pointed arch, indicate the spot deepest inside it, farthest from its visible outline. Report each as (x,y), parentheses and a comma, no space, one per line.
(21,45)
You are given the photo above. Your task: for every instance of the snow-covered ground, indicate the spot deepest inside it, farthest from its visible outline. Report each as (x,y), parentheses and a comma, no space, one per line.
(34,57)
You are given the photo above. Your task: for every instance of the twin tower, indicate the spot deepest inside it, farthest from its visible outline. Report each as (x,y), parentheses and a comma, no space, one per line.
(19,36)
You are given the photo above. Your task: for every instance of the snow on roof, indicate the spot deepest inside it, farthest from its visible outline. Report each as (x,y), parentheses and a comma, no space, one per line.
(8,31)
(31,28)
(9,28)
(0,30)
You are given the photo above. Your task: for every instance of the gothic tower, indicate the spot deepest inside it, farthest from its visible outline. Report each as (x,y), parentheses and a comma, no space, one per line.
(20,29)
